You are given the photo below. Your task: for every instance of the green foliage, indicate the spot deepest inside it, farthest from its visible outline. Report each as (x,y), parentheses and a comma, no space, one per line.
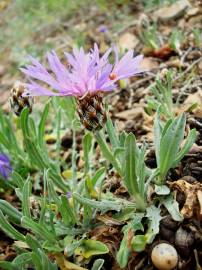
(162,98)
(125,151)
(134,171)
(176,40)
(168,139)
(197,37)
(97,265)
(65,209)
(149,35)
(124,251)
(153,4)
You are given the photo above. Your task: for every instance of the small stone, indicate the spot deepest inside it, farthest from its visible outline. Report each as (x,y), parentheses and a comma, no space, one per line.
(200,65)
(149,64)
(130,114)
(175,63)
(127,41)
(173,11)
(164,256)
(193,11)
(2,70)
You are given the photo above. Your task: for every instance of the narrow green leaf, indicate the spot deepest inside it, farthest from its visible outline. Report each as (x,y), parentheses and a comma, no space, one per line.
(104,205)
(40,230)
(107,153)
(91,247)
(36,258)
(53,195)
(32,242)
(41,128)
(8,266)
(187,145)
(4,141)
(22,260)
(87,145)
(122,138)
(157,136)
(123,252)
(98,176)
(13,214)
(18,179)
(9,229)
(170,144)
(130,178)
(111,131)
(26,193)
(138,243)
(173,208)
(44,260)
(66,211)
(97,265)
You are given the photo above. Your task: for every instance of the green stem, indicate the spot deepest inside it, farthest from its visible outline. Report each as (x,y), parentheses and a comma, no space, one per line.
(74,155)
(58,142)
(160,180)
(140,203)
(107,153)
(152,176)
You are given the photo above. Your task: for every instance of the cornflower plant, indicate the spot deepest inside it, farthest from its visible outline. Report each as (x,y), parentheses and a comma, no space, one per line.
(149,35)
(87,77)
(63,213)
(176,40)
(162,98)
(168,138)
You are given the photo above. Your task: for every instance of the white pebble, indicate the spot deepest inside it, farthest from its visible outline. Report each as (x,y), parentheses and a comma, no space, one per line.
(164,256)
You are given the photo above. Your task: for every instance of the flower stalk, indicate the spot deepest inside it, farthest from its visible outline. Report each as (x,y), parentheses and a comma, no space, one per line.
(107,153)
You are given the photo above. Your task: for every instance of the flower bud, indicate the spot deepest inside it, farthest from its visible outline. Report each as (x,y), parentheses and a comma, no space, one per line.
(91,112)
(17,101)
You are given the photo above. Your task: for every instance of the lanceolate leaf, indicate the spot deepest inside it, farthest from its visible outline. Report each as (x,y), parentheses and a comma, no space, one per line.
(97,265)
(9,229)
(187,145)
(124,252)
(157,136)
(41,129)
(40,230)
(130,178)
(103,206)
(92,247)
(170,143)
(111,131)
(172,207)
(26,193)
(12,213)
(87,145)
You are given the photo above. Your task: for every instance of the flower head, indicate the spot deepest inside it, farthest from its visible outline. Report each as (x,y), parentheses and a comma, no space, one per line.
(85,73)
(17,101)
(102,28)
(5,166)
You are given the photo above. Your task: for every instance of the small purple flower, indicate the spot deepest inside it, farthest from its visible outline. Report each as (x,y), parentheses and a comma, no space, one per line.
(85,73)
(69,195)
(5,166)
(102,28)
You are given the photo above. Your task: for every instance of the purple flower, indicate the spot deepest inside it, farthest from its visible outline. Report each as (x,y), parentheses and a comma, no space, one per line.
(85,73)
(5,166)
(102,28)
(69,195)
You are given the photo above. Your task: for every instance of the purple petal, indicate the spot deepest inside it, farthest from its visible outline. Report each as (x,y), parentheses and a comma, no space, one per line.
(5,166)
